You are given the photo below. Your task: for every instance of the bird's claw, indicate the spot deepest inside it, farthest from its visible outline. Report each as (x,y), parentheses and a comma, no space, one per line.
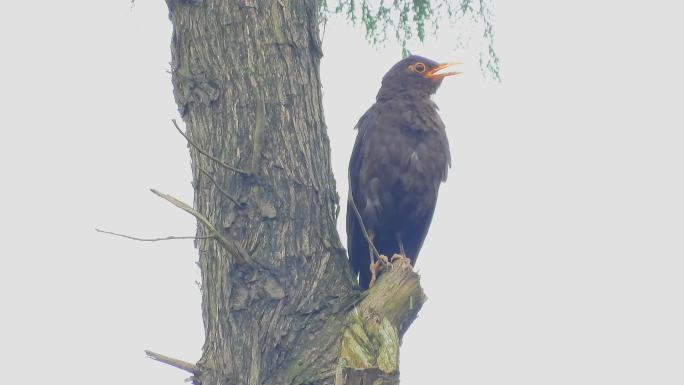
(385,263)
(383,260)
(377,267)
(400,260)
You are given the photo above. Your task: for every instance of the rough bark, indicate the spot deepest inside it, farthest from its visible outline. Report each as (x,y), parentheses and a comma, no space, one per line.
(278,301)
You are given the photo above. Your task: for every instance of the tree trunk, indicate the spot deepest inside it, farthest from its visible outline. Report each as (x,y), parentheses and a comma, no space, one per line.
(278,300)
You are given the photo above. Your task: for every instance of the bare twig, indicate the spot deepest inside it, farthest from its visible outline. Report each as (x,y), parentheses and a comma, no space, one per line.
(224,192)
(215,159)
(358,217)
(151,239)
(176,363)
(234,248)
(185,207)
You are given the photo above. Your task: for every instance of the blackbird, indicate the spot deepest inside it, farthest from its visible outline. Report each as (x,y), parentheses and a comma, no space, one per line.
(400,157)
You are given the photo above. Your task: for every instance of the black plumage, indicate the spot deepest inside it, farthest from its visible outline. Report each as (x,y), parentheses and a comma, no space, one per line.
(400,157)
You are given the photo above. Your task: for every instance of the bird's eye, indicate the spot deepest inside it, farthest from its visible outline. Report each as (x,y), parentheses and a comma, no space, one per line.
(419,67)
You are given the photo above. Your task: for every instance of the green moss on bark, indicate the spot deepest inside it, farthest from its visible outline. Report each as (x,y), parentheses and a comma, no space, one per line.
(370,342)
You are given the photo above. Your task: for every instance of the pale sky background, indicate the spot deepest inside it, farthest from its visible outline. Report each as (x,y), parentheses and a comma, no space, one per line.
(556,255)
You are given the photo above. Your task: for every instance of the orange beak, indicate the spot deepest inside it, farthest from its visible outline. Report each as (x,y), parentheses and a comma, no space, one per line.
(434,75)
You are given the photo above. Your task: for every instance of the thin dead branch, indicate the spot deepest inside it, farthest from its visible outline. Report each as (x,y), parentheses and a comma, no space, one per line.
(151,239)
(176,363)
(239,252)
(215,159)
(360,220)
(224,192)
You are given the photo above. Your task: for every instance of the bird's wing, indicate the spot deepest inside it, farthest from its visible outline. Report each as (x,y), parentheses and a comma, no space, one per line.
(357,245)
(436,124)
(418,227)
(431,160)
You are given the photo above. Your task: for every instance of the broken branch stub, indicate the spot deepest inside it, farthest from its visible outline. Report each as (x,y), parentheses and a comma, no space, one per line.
(370,342)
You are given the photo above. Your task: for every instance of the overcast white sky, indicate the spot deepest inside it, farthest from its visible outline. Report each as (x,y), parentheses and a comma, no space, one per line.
(555,257)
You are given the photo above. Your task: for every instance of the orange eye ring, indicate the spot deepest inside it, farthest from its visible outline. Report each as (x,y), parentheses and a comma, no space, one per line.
(419,67)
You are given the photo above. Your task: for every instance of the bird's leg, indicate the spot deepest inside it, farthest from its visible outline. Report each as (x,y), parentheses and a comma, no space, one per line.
(375,265)
(373,268)
(401,245)
(402,252)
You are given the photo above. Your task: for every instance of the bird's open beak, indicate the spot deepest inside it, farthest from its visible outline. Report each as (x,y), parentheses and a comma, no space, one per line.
(434,73)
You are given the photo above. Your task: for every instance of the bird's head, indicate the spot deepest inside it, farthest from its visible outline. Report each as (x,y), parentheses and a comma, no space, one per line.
(415,75)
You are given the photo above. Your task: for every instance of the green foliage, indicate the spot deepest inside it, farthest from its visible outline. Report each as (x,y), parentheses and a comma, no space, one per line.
(406,19)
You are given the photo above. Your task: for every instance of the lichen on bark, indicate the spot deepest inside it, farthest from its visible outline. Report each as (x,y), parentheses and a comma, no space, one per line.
(370,342)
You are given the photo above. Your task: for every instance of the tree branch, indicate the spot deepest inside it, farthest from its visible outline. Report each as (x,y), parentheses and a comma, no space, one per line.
(360,220)
(370,343)
(361,344)
(176,363)
(215,159)
(224,192)
(234,248)
(151,239)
